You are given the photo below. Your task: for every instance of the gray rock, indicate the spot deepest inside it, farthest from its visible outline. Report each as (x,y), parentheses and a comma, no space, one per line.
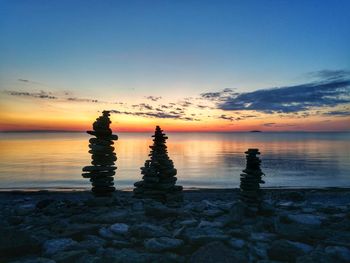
(54,246)
(204,235)
(212,212)
(119,228)
(188,222)
(259,250)
(92,243)
(162,244)
(306,219)
(262,237)
(204,223)
(111,217)
(145,230)
(217,252)
(286,250)
(236,243)
(339,253)
(69,256)
(24,210)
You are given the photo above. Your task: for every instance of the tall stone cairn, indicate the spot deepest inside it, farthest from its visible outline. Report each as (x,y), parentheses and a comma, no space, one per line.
(102,170)
(158,173)
(251,179)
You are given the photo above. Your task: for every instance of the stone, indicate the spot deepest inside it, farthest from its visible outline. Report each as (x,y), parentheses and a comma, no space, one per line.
(262,237)
(286,250)
(145,230)
(204,235)
(236,243)
(217,252)
(119,228)
(54,246)
(24,210)
(341,254)
(92,243)
(162,244)
(306,219)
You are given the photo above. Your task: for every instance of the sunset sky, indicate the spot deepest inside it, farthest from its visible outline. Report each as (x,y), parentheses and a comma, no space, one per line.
(184,65)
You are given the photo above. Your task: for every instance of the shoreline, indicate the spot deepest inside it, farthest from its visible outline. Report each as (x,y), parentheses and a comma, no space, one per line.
(293,225)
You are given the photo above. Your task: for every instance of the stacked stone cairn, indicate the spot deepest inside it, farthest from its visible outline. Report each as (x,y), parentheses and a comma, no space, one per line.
(159,174)
(102,170)
(251,179)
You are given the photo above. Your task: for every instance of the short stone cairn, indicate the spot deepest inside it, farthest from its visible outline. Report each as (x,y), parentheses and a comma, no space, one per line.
(251,179)
(103,157)
(158,174)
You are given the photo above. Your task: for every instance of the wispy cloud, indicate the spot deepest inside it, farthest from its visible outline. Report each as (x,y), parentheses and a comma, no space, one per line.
(40,95)
(153,98)
(340,113)
(157,114)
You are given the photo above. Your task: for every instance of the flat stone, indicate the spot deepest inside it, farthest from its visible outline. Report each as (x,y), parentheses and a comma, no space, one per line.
(204,235)
(145,230)
(236,243)
(306,219)
(119,228)
(54,246)
(162,244)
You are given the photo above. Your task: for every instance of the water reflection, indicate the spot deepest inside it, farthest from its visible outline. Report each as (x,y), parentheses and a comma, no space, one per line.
(43,160)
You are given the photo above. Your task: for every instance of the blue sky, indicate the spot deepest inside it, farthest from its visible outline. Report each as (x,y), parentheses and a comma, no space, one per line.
(132,49)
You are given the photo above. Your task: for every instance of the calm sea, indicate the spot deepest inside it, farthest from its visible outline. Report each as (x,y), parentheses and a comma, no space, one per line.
(210,160)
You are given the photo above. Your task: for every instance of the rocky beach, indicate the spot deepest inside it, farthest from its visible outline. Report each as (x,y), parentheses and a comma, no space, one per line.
(294,225)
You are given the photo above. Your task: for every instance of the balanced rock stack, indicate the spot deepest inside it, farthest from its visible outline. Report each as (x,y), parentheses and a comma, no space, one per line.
(158,173)
(103,157)
(251,179)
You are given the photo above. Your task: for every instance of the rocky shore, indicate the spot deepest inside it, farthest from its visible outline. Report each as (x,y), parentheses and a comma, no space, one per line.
(303,225)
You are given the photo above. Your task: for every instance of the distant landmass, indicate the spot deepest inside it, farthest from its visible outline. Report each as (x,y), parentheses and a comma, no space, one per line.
(255,131)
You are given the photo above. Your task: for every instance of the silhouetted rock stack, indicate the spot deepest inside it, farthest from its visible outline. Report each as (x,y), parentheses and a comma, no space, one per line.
(251,178)
(103,157)
(158,173)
